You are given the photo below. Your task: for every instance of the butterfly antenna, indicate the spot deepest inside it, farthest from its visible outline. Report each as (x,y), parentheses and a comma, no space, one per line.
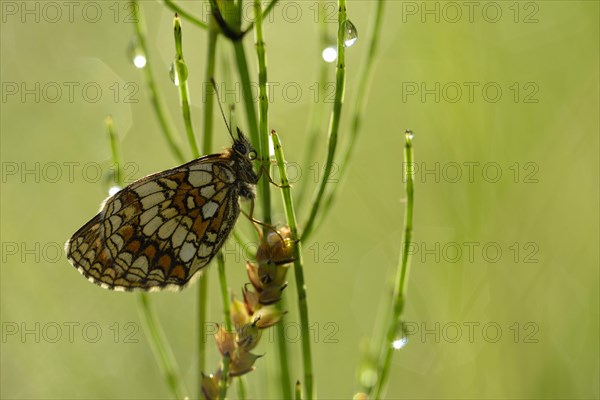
(212,80)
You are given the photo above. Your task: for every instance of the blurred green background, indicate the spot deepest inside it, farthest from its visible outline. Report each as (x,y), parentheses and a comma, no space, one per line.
(503,294)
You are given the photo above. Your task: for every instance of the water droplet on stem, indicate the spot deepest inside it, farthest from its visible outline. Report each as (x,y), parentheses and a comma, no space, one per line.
(350,33)
(178,71)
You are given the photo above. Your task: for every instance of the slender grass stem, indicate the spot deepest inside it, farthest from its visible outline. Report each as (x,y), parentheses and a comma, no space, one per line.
(242,388)
(162,352)
(155,98)
(242,64)
(180,79)
(224,292)
(264,14)
(184,14)
(318,112)
(263,114)
(334,125)
(298,391)
(401,283)
(264,186)
(114,150)
(282,352)
(224,377)
(207,144)
(364,79)
(298,269)
(209,91)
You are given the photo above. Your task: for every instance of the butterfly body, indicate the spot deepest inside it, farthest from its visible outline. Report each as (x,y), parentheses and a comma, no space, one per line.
(160,231)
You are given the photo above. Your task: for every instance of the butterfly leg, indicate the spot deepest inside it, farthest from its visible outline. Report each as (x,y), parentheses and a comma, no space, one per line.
(257,222)
(266,171)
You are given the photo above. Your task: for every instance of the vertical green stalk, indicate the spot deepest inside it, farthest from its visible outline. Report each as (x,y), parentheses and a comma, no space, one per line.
(207,144)
(224,292)
(264,187)
(399,298)
(298,391)
(224,377)
(114,150)
(242,64)
(226,320)
(364,79)
(180,75)
(265,12)
(209,91)
(162,352)
(155,98)
(298,269)
(334,125)
(241,388)
(156,337)
(318,111)
(282,353)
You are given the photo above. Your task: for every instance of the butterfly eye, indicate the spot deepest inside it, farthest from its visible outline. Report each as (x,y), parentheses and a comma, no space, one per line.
(252,155)
(239,147)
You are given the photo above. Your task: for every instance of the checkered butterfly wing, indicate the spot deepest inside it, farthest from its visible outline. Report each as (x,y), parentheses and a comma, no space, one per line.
(161,230)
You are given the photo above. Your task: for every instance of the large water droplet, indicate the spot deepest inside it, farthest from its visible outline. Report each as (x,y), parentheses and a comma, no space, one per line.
(178,72)
(350,33)
(135,53)
(409,134)
(329,54)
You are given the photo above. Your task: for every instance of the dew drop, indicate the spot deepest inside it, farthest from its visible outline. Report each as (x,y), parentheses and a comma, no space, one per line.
(350,33)
(409,134)
(329,54)
(135,53)
(178,71)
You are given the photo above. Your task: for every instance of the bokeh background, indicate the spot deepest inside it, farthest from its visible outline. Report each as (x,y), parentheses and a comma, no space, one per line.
(503,295)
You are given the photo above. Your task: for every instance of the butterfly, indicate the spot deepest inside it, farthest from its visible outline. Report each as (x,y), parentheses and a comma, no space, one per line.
(160,231)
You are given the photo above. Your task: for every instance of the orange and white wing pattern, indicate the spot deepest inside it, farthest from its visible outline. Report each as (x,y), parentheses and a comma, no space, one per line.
(161,230)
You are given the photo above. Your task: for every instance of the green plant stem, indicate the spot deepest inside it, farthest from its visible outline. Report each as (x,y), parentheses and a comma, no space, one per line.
(318,112)
(401,283)
(209,91)
(207,145)
(155,98)
(364,79)
(114,150)
(298,269)
(334,125)
(264,14)
(242,64)
(224,377)
(298,391)
(162,352)
(264,186)
(184,14)
(180,72)
(282,352)
(263,115)
(241,388)
(224,292)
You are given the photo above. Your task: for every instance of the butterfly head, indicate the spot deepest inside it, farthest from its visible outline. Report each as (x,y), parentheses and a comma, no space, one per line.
(243,154)
(243,148)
